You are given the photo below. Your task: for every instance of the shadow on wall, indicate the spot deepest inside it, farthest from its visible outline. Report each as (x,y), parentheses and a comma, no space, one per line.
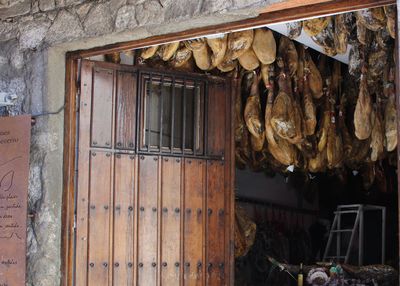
(277,189)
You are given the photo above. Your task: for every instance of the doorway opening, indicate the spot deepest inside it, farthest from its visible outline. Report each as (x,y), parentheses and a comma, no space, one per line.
(295,123)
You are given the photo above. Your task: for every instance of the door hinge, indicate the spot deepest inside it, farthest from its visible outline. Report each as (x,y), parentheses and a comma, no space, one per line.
(74,221)
(77,98)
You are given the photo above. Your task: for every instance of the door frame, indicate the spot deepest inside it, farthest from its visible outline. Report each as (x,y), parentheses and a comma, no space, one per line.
(289,10)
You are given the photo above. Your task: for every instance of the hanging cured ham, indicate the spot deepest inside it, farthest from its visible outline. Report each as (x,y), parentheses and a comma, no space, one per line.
(201,53)
(148,52)
(294,29)
(309,122)
(346,137)
(285,120)
(342,33)
(391,122)
(310,118)
(334,146)
(376,64)
(326,39)
(323,131)
(362,113)
(265,70)
(314,79)
(373,19)
(289,54)
(383,39)
(227,66)
(315,26)
(355,61)
(257,143)
(376,135)
(253,117)
(318,163)
(168,50)
(245,232)
(218,47)
(239,121)
(390,12)
(249,60)
(243,150)
(362,32)
(238,43)
(280,149)
(181,57)
(264,46)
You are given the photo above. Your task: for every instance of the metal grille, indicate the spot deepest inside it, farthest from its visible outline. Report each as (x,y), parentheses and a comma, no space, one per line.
(173,115)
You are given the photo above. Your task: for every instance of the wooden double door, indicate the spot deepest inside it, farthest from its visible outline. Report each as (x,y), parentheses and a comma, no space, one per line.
(154,191)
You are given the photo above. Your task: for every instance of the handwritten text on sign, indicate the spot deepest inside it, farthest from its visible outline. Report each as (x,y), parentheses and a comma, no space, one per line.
(14,173)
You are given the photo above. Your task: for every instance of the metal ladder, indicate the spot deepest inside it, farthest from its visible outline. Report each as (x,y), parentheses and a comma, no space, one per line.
(358,227)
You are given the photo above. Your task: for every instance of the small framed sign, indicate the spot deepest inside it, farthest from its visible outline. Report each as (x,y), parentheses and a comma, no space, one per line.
(14,174)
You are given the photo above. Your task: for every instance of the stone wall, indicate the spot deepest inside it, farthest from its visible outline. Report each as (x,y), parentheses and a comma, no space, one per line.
(30,31)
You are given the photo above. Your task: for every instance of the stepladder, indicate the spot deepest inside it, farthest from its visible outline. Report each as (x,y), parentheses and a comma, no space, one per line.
(346,236)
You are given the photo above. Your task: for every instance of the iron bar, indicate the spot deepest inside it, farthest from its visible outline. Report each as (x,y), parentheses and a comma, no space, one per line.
(383,235)
(172,114)
(139,114)
(161,111)
(184,116)
(148,109)
(361,238)
(205,139)
(195,115)
(176,155)
(352,238)
(329,239)
(339,236)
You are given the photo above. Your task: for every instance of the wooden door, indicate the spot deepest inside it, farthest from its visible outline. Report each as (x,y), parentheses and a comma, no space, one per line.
(154,188)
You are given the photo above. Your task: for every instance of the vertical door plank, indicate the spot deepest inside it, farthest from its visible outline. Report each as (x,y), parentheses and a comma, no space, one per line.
(230,183)
(81,264)
(216,223)
(124,184)
(102,107)
(99,218)
(216,126)
(171,222)
(194,193)
(148,221)
(126,110)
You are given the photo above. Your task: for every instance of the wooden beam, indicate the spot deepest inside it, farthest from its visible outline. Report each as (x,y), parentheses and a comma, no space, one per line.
(68,196)
(291,4)
(290,11)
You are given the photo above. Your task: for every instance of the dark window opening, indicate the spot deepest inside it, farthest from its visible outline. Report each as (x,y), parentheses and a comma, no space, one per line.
(173,115)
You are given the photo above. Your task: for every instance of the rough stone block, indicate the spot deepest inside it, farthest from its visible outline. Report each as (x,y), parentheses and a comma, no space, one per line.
(83,10)
(66,27)
(46,5)
(32,33)
(99,21)
(150,12)
(179,9)
(15,8)
(125,18)
(210,6)
(8,31)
